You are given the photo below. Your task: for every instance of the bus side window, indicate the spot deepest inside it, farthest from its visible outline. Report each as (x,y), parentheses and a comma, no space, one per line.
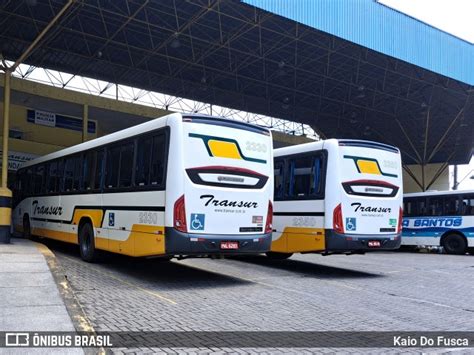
(435,206)
(112,167)
(279,179)
(126,165)
(55,173)
(142,165)
(88,170)
(77,173)
(305,176)
(467,208)
(316,176)
(52,176)
(408,208)
(59,176)
(421,209)
(302,176)
(68,174)
(39,179)
(451,205)
(158,160)
(99,168)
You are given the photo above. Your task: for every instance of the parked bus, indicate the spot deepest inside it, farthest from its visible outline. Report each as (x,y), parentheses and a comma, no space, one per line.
(336,196)
(439,218)
(180,185)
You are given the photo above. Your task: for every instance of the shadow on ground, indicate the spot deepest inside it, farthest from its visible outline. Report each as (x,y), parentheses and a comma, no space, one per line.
(170,274)
(307,269)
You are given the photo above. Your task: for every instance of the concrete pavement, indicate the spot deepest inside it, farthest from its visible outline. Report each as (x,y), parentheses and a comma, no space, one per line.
(29,297)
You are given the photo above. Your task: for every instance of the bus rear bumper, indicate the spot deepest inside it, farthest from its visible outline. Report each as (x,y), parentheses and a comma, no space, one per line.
(179,243)
(342,243)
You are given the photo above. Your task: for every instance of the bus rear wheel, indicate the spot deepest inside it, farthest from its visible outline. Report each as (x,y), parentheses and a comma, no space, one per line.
(278,256)
(87,243)
(455,244)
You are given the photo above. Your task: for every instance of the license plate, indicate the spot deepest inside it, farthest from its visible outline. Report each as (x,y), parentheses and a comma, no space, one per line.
(229,245)
(374,243)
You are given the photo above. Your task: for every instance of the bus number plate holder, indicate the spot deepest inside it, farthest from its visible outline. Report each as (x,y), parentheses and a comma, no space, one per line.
(373,243)
(229,245)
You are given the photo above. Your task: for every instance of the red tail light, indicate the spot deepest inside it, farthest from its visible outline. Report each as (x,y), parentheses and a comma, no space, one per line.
(269,223)
(180,215)
(337,220)
(400,220)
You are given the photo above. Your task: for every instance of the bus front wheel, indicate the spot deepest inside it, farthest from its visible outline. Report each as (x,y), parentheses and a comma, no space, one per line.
(455,244)
(87,243)
(278,256)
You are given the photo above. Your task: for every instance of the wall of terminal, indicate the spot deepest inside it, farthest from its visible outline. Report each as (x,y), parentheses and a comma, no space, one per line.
(46,127)
(34,133)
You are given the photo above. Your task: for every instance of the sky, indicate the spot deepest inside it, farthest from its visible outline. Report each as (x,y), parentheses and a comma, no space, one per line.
(452,16)
(456,18)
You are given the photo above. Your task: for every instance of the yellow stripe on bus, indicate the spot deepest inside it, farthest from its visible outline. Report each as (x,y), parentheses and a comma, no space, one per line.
(94,215)
(224,149)
(56,235)
(368,167)
(143,240)
(298,239)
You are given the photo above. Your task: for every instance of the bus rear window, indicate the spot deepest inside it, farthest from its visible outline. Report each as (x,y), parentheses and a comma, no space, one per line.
(300,177)
(305,177)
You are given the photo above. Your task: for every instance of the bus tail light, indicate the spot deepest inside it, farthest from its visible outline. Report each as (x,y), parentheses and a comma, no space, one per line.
(269,222)
(337,220)
(180,215)
(400,220)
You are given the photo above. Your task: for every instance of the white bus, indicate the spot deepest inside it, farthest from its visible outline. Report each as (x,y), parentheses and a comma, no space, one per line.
(180,185)
(336,196)
(439,218)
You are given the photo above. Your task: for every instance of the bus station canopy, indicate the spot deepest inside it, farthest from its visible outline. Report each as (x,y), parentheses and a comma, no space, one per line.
(235,55)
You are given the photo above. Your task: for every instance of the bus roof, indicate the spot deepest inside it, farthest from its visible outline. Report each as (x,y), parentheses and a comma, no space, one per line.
(436,193)
(109,138)
(136,130)
(307,147)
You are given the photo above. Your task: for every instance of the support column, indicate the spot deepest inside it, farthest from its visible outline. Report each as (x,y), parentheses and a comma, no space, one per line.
(423,177)
(85,122)
(5,193)
(455,184)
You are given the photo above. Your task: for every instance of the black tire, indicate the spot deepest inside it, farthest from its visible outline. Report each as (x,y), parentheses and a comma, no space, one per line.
(27,228)
(278,256)
(455,244)
(87,243)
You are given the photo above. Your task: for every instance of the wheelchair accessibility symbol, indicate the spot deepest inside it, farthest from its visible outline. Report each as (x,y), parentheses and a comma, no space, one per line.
(111,219)
(197,221)
(351,224)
